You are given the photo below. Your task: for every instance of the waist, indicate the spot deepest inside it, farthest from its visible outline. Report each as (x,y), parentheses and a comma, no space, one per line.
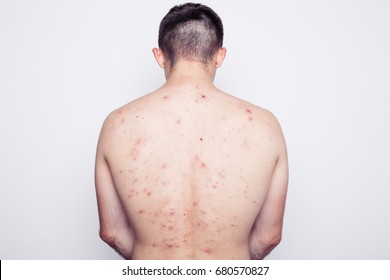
(173,251)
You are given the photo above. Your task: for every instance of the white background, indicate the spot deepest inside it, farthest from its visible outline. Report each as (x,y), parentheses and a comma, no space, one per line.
(322,67)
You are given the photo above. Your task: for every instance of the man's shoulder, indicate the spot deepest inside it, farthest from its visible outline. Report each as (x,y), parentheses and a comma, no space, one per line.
(260,115)
(264,121)
(124,113)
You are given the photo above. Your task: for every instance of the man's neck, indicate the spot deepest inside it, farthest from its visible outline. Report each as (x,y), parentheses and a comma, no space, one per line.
(189,72)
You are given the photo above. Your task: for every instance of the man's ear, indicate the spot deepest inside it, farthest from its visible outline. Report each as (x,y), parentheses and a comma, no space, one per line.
(220,57)
(159,56)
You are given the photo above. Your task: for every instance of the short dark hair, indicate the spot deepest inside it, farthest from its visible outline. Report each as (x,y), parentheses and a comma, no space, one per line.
(190,31)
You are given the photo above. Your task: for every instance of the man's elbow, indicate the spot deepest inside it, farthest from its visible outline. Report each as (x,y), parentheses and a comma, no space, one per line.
(275,240)
(109,237)
(272,241)
(265,245)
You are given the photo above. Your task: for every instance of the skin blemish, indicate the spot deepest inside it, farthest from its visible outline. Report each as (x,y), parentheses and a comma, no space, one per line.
(178,121)
(249,112)
(201,139)
(165,97)
(164,165)
(147,192)
(142,211)
(203,165)
(207,251)
(195,204)
(170,228)
(131,193)
(202,224)
(203,212)
(203,96)
(154,245)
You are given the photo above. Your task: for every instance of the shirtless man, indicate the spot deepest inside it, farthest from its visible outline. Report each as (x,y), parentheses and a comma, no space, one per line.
(188,171)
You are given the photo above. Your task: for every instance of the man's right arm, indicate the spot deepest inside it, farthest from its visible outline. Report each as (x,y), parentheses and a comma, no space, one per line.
(267,230)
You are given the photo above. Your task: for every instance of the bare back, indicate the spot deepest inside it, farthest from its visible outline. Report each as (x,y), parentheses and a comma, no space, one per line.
(192,168)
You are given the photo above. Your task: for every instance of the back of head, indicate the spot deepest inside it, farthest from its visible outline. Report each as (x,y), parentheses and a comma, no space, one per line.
(191,32)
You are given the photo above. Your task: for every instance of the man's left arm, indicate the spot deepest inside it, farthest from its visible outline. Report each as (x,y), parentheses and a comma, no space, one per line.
(115,229)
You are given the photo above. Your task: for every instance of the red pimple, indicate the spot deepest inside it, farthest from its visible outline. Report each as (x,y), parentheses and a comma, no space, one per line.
(250,114)
(203,165)
(207,251)
(165,97)
(147,192)
(141,211)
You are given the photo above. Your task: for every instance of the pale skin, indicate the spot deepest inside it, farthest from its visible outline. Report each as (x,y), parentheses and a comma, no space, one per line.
(190,172)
